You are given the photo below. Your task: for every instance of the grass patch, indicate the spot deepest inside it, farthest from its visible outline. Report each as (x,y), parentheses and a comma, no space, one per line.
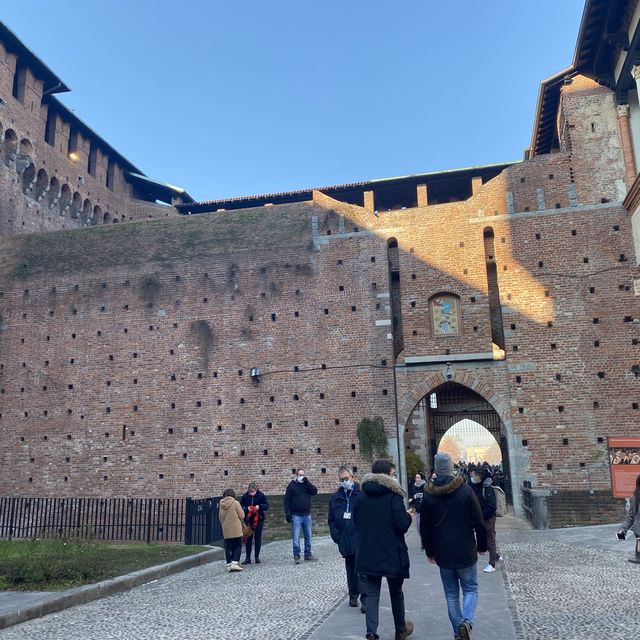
(54,565)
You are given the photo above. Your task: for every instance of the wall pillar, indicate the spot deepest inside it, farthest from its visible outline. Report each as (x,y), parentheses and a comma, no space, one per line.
(423,198)
(627,145)
(368,201)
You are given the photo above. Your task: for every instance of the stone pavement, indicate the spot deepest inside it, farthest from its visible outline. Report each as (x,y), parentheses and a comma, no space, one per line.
(565,584)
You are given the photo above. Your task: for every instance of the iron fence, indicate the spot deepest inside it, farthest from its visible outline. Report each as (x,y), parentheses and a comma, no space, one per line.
(110,519)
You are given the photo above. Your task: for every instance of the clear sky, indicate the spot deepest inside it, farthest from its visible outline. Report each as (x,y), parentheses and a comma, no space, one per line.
(246,97)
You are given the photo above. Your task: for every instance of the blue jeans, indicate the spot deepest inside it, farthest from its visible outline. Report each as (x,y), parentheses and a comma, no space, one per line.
(452,581)
(304,522)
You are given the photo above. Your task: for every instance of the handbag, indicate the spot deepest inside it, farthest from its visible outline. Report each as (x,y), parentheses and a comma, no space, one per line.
(247,531)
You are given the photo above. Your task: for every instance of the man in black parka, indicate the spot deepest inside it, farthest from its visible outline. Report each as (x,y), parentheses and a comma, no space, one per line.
(453,533)
(343,532)
(381,522)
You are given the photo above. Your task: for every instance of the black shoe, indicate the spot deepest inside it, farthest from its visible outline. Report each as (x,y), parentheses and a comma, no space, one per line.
(353,601)
(246,561)
(258,561)
(372,636)
(464,630)
(310,558)
(363,609)
(297,560)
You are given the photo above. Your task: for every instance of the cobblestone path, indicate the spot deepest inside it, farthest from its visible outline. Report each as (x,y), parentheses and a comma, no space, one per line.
(275,600)
(572,592)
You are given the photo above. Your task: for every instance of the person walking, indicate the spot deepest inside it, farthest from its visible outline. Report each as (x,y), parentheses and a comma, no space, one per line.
(254,504)
(415,495)
(482,486)
(632,520)
(450,516)
(297,510)
(231,516)
(381,522)
(343,532)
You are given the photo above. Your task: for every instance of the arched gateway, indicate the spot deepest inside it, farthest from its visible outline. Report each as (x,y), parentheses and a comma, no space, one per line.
(438,403)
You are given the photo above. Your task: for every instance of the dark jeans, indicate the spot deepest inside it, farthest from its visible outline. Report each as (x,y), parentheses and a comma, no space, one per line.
(490,526)
(373,602)
(357,584)
(232,549)
(255,538)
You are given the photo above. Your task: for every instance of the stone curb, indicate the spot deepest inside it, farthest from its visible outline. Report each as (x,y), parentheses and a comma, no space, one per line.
(91,592)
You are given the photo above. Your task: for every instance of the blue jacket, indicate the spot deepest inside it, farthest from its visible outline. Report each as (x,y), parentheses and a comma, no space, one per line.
(343,530)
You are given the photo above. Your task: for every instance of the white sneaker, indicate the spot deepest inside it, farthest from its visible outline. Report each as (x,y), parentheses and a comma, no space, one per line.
(489,569)
(235,567)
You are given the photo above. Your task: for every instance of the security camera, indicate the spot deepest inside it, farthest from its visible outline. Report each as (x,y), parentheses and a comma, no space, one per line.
(448,375)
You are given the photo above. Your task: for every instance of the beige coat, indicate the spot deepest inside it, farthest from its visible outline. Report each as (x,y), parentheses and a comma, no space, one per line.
(231,516)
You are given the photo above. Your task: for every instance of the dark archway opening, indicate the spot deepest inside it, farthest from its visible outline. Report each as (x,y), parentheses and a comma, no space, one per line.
(446,406)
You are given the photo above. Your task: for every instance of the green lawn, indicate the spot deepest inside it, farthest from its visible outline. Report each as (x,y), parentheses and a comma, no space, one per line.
(54,565)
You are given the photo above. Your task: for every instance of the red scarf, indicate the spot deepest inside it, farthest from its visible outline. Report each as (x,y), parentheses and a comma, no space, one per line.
(253,516)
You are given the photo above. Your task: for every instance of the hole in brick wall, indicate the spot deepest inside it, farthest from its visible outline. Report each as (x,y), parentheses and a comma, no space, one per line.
(413,303)
(553,346)
(219,402)
(108,409)
(540,264)
(472,298)
(198,403)
(601,374)
(447,351)
(175,325)
(269,425)
(526,209)
(241,400)
(522,180)
(135,407)
(326,312)
(373,258)
(525,443)
(226,472)
(596,404)
(634,405)
(242,452)
(596,343)
(515,347)
(337,421)
(135,354)
(413,276)
(173,405)
(623,257)
(592,289)
(72,361)
(265,452)
(596,320)
(353,308)
(628,319)
(549,467)
(520,409)
(537,236)
(635,369)
(219,427)
(461,245)
(173,377)
(546,293)
(305,423)
(353,394)
(106,434)
(560,408)
(585,260)
(322,396)
(616,227)
(383,363)
(126,308)
(558,377)
(518,379)
(513,327)
(508,296)
(328,232)
(170,352)
(45,413)
(323,470)
(582,465)
(475,329)
(341,288)
(170,430)
(558,205)
(565,441)
(295,396)
(634,341)
(338,262)
(273,317)
(272,399)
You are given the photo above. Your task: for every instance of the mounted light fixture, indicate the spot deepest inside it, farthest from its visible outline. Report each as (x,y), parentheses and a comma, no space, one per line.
(255,375)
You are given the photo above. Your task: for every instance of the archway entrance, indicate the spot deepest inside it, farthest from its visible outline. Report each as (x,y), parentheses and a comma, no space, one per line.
(447,405)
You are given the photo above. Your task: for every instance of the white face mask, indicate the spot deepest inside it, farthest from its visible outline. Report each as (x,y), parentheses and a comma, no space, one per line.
(346,484)
(475,480)
(300,479)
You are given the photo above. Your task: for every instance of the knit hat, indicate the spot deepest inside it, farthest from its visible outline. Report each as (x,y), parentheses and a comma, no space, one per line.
(443,465)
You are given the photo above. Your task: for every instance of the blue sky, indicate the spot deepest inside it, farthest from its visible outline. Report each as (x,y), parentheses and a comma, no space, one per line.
(237,98)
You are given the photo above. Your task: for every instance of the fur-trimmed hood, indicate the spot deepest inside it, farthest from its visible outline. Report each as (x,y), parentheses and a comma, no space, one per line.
(443,489)
(378,483)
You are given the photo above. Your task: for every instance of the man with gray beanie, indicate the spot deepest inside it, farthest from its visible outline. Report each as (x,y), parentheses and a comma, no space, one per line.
(449,516)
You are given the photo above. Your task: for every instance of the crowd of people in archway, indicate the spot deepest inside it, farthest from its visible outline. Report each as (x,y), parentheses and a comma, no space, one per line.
(493,471)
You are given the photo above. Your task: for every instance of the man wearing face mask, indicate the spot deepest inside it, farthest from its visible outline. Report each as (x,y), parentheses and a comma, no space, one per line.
(343,532)
(297,510)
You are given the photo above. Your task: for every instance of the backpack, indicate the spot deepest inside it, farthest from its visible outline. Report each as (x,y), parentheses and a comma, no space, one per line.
(501,501)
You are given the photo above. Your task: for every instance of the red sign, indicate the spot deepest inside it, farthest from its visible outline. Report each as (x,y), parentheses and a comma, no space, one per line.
(624,460)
